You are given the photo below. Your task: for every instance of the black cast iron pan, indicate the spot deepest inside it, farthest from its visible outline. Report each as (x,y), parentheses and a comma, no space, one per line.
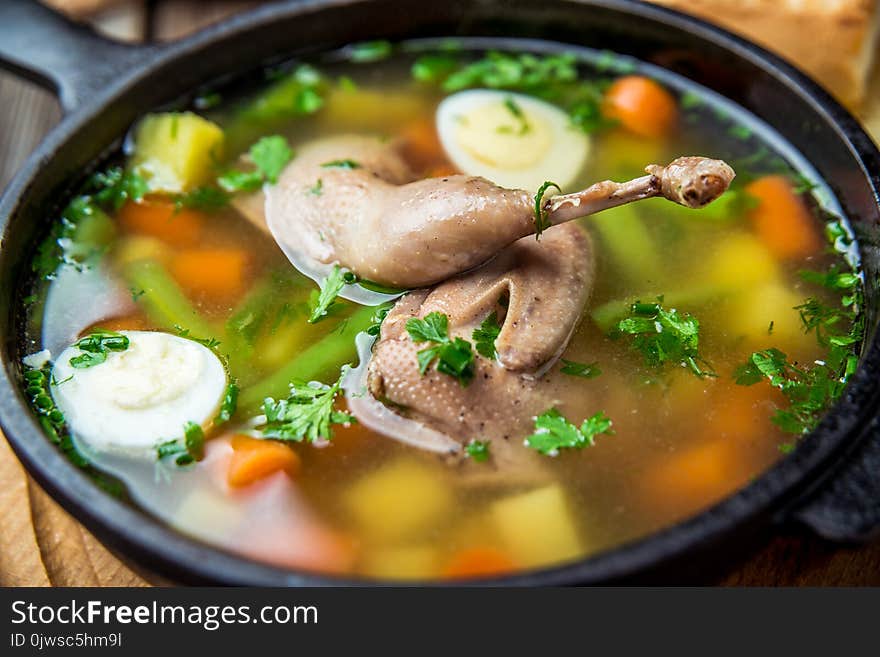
(830,484)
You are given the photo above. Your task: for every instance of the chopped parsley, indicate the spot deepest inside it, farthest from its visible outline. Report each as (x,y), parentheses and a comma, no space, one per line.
(484,337)
(379,317)
(96,346)
(523,72)
(553,432)
(317,189)
(554,78)
(323,302)
(478,450)
(453,356)
(341,164)
(583,370)
(50,417)
(270,155)
(541,221)
(513,107)
(811,389)
(188,450)
(84,229)
(306,414)
(433,68)
(201,198)
(210,343)
(294,93)
(663,336)
(229,404)
(112,188)
(369,51)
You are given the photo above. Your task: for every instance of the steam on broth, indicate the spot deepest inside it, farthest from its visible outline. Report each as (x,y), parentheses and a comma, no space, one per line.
(704,350)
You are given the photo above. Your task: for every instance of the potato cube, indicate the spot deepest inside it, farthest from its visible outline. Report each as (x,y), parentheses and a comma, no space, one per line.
(537,527)
(399,501)
(176,151)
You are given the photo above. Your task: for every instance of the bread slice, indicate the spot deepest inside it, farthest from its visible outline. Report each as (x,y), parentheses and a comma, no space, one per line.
(832,40)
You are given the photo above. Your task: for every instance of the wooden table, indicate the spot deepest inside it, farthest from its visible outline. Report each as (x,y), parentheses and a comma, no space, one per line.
(40,545)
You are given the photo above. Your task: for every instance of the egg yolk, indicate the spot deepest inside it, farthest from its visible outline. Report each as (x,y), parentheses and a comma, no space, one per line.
(502,137)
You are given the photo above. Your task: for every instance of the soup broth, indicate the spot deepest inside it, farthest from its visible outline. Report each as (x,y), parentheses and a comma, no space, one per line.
(360,503)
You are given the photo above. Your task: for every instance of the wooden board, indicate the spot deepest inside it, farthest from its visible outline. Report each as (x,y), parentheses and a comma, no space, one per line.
(41,545)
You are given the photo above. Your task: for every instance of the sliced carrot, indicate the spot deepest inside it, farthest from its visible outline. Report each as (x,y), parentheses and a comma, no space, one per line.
(216,273)
(781,218)
(442,170)
(421,146)
(741,413)
(700,474)
(641,105)
(252,459)
(478,562)
(159,218)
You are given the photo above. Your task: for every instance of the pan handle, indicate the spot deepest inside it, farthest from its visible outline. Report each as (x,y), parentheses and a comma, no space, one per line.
(846,508)
(68,58)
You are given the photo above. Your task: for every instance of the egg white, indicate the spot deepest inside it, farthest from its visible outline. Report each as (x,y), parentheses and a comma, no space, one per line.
(140,397)
(483,136)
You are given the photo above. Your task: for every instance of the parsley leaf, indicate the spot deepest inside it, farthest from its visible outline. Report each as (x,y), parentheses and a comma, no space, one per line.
(541,221)
(341,164)
(553,432)
(270,155)
(229,404)
(478,450)
(484,337)
(369,51)
(554,78)
(112,188)
(240,181)
(454,356)
(663,336)
(809,391)
(586,371)
(324,301)
(187,451)
(50,417)
(433,328)
(513,107)
(306,414)
(96,346)
(433,68)
(201,198)
(379,317)
(210,343)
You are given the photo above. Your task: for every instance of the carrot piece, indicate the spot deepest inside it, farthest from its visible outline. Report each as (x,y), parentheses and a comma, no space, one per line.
(702,473)
(641,105)
(478,562)
(421,146)
(442,170)
(252,459)
(741,413)
(159,218)
(782,219)
(216,273)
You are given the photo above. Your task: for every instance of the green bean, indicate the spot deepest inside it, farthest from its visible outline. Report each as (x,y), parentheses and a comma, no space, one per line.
(321,359)
(163,301)
(609,313)
(628,243)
